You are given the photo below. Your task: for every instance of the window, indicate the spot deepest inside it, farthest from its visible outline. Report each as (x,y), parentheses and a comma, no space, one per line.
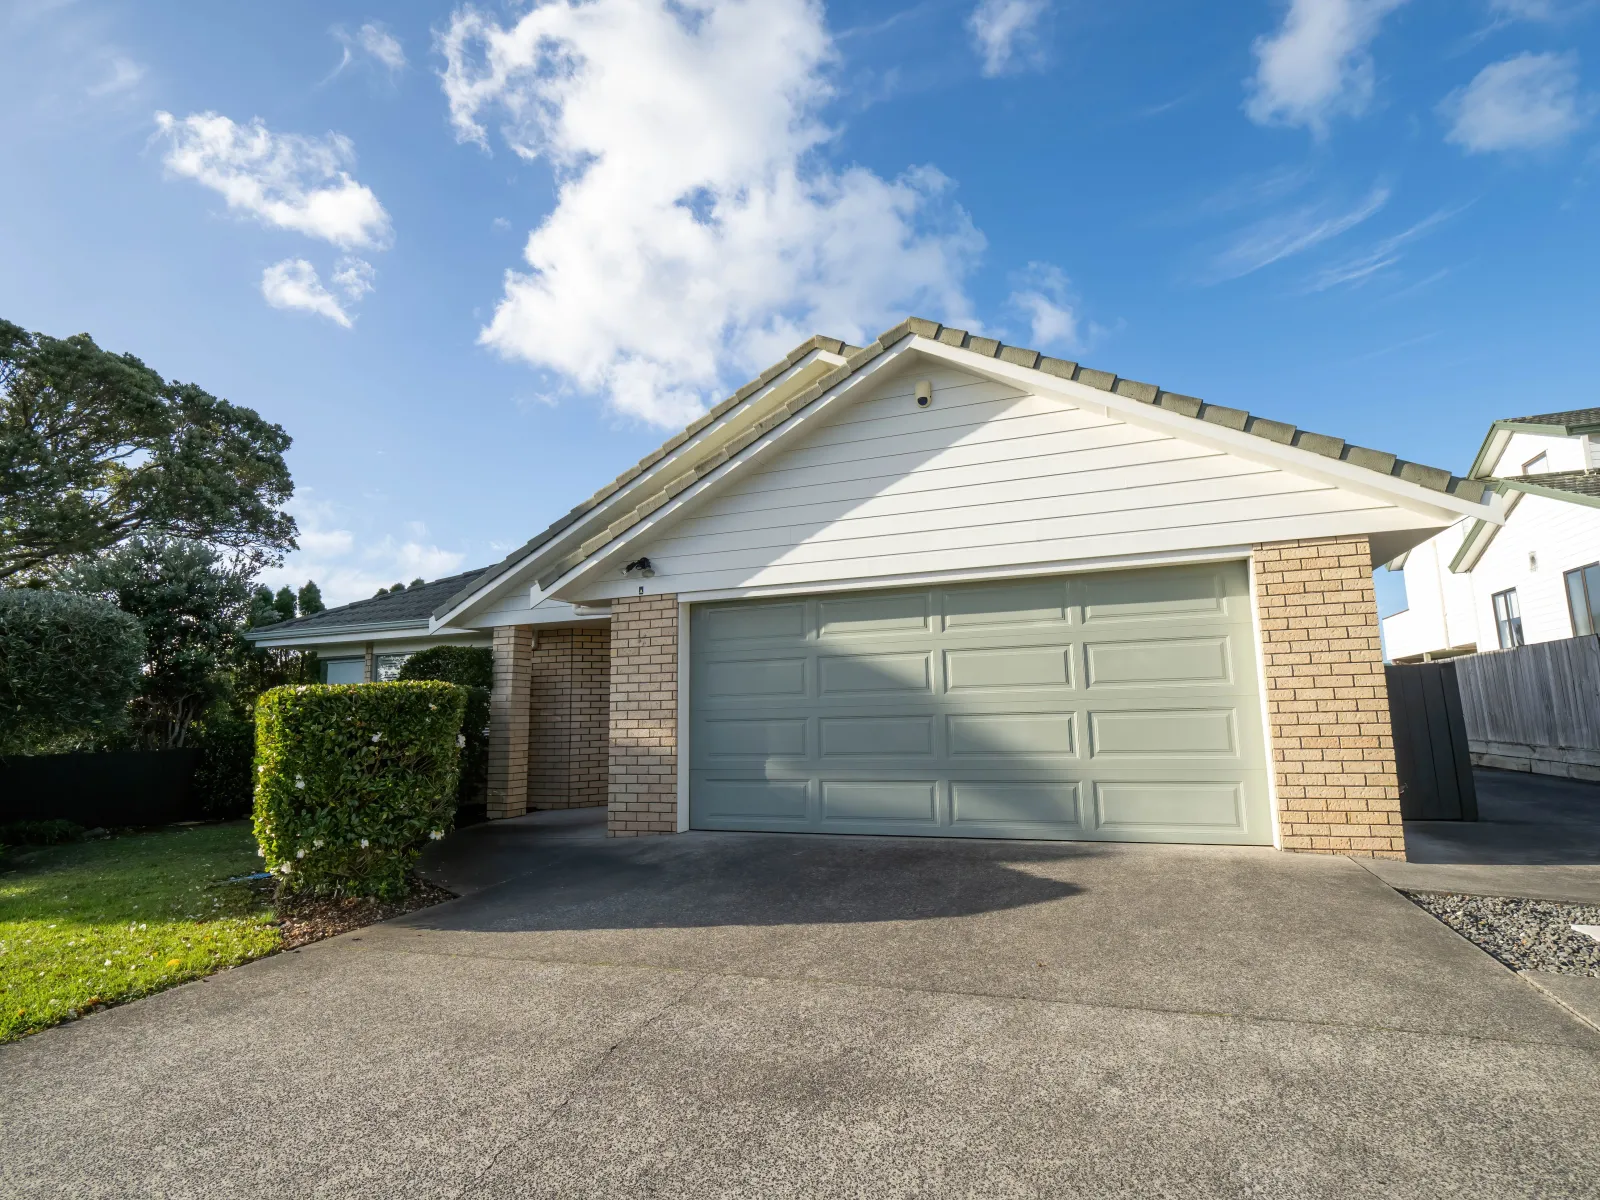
(343,670)
(1508,618)
(1537,465)
(1583,597)
(387,666)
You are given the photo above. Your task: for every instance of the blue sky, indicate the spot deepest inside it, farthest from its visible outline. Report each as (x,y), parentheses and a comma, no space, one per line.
(476,260)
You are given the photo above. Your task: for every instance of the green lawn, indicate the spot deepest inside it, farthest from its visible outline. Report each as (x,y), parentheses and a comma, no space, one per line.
(100,922)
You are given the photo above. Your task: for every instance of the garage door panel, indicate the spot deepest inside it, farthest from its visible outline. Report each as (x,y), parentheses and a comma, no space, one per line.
(1024,737)
(1120,707)
(876,736)
(909,802)
(1010,667)
(1008,804)
(1164,663)
(1143,732)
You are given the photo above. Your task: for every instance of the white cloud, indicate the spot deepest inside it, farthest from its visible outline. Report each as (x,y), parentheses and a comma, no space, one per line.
(353,276)
(347,568)
(373,42)
(123,75)
(1007,32)
(1288,234)
(294,283)
(1317,65)
(1043,295)
(1523,103)
(1377,259)
(282,180)
(697,234)
(1538,10)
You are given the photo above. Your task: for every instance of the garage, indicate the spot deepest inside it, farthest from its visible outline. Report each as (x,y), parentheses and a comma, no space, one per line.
(1115,706)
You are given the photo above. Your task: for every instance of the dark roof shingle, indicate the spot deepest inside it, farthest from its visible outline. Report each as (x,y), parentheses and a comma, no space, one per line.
(413,604)
(1581,483)
(1569,419)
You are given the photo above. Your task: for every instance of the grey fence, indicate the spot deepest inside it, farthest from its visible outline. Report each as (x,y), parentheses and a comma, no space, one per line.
(1430,743)
(1535,708)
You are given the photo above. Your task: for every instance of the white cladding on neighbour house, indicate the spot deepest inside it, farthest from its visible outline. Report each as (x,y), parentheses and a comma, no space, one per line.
(1475,587)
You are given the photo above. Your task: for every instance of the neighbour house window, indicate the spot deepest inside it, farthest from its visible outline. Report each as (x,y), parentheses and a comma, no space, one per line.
(1583,597)
(1537,465)
(1508,618)
(387,667)
(343,670)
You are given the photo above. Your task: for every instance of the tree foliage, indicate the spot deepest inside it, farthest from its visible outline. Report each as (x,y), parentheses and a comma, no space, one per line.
(68,666)
(191,605)
(96,448)
(470,666)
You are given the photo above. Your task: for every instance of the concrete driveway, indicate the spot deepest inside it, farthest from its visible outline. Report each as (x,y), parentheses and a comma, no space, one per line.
(759,1015)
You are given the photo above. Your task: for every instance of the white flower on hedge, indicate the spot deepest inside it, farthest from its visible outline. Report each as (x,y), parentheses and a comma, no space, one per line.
(260,853)
(316,843)
(287,868)
(461,741)
(300,783)
(376,737)
(364,843)
(262,769)
(436,835)
(300,853)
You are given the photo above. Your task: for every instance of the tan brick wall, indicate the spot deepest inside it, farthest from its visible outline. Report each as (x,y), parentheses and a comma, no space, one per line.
(1327,702)
(570,708)
(509,721)
(643,787)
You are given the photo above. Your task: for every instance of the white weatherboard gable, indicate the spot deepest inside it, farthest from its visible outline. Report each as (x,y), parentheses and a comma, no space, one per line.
(1005,469)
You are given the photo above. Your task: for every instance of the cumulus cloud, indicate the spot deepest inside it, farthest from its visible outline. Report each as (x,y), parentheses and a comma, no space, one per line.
(1523,103)
(282,180)
(697,233)
(347,567)
(295,284)
(373,43)
(1318,64)
(1284,235)
(1007,33)
(1043,295)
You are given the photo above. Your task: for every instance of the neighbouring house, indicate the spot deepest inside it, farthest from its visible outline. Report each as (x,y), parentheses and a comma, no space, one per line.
(370,640)
(1534,576)
(941,586)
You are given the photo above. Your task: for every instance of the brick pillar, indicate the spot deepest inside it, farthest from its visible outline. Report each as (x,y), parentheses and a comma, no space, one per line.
(1327,702)
(643,760)
(508,721)
(570,718)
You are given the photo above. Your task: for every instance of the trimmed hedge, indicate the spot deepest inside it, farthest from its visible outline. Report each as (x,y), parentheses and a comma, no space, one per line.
(69,664)
(353,779)
(473,668)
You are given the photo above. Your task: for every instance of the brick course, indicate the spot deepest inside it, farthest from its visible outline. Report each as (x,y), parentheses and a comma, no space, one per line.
(1327,702)
(509,721)
(570,709)
(643,791)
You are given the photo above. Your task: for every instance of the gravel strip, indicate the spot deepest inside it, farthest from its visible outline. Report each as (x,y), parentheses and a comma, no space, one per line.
(1526,935)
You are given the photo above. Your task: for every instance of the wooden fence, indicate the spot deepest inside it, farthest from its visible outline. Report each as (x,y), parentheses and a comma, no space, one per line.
(1430,743)
(1535,708)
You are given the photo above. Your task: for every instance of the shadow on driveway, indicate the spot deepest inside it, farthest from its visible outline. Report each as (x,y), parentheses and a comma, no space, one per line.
(1524,820)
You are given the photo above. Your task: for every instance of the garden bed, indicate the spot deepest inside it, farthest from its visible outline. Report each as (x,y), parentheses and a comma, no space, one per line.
(1526,935)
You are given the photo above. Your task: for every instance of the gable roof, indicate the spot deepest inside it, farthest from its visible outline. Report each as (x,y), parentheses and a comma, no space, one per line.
(412,606)
(763,405)
(1575,487)
(1572,423)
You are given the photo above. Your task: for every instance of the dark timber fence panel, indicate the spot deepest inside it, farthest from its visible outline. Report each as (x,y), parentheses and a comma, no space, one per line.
(1430,743)
(128,787)
(1535,708)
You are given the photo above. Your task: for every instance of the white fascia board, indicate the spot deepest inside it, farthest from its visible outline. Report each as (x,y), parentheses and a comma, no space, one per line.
(1481,536)
(1387,488)
(1072,566)
(754,452)
(355,634)
(517,575)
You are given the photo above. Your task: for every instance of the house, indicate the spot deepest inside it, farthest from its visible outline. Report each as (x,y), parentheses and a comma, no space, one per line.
(1533,577)
(942,586)
(370,640)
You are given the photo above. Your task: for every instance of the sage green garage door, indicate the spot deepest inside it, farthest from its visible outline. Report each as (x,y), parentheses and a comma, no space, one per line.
(1120,707)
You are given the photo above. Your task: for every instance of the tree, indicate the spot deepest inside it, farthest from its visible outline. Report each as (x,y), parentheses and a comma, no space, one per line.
(96,448)
(68,667)
(310,599)
(191,604)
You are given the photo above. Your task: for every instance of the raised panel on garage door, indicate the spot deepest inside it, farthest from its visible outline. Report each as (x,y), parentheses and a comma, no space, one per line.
(1119,706)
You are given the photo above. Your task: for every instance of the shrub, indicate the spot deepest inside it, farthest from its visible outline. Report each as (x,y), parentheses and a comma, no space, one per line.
(69,665)
(40,833)
(470,666)
(473,668)
(353,779)
(225,749)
